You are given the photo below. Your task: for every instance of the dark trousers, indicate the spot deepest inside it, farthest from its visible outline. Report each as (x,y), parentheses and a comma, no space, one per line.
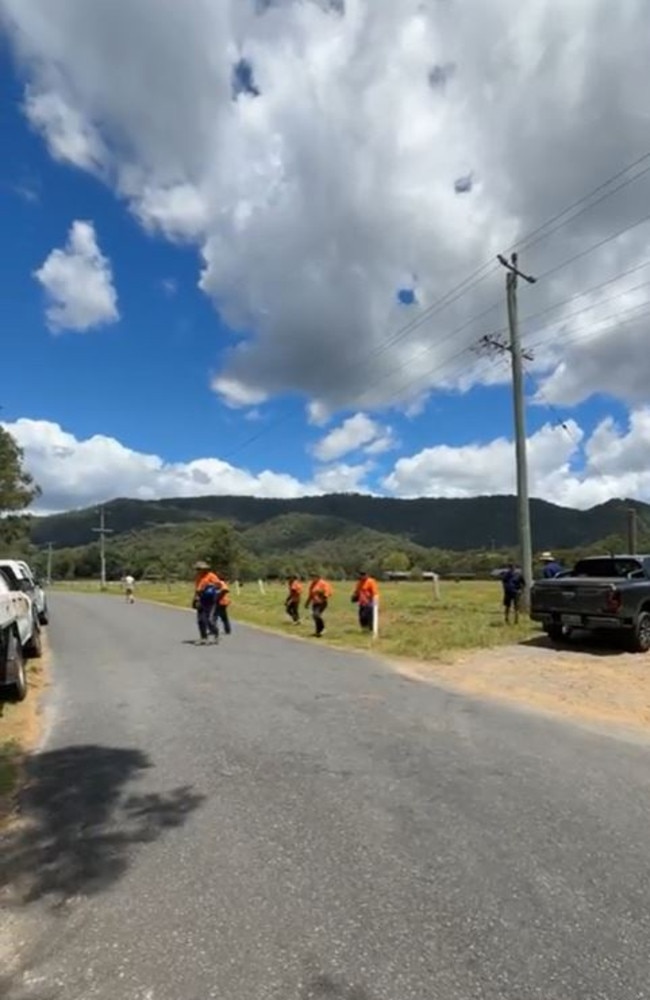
(206,620)
(222,616)
(293,610)
(317,612)
(365,617)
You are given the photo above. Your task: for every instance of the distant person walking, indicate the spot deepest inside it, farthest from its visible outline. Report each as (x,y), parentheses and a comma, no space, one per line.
(292,603)
(366,596)
(207,589)
(129,589)
(320,592)
(550,566)
(513,584)
(223,603)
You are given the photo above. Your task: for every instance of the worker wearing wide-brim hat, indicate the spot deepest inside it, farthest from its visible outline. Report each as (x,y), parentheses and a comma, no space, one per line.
(551,566)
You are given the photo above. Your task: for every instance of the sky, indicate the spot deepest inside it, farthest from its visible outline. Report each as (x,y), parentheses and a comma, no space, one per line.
(249,246)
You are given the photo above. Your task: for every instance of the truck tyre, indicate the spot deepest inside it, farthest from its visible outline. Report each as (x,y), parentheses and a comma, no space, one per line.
(640,638)
(558,633)
(44,617)
(34,648)
(15,667)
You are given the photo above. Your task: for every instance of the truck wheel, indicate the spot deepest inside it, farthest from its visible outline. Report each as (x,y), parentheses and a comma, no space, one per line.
(44,617)
(558,633)
(640,639)
(34,648)
(17,689)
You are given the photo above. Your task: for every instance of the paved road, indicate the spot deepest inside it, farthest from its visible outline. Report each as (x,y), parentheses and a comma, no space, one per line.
(269,820)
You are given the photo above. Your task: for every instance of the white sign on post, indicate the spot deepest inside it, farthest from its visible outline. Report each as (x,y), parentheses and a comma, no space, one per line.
(260,584)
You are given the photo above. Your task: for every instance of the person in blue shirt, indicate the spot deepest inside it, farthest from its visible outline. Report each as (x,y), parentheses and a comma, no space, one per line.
(513,583)
(550,566)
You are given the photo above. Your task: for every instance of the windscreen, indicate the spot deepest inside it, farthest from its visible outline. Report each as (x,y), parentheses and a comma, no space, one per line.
(607,567)
(11,578)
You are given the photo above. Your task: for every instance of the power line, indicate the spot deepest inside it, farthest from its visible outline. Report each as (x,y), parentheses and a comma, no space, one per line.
(641,309)
(569,208)
(587,208)
(480,273)
(594,246)
(587,291)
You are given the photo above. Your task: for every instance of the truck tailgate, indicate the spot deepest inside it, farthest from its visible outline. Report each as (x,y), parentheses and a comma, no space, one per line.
(572,597)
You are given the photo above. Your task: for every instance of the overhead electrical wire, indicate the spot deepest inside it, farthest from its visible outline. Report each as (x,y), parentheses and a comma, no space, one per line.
(546,229)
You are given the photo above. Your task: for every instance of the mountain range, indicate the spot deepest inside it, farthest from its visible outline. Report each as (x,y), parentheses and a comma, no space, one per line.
(445,524)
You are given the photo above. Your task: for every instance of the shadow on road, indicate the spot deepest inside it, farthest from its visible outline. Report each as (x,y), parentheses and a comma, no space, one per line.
(80,827)
(325,987)
(583,643)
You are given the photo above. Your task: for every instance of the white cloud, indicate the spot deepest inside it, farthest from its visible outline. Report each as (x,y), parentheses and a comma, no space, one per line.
(310,203)
(355,433)
(343,478)
(70,137)
(566,467)
(78,282)
(77,473)
(237,394)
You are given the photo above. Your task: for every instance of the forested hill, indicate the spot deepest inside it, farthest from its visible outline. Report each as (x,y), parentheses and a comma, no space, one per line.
(459,525)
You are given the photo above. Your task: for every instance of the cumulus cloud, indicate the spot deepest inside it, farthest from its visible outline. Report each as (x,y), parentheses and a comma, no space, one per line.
(355,433)
(78,282)
(336,169)
(566,467)
(77,473)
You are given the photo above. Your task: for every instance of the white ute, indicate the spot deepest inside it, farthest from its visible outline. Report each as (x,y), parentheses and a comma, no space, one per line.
(20,577)
(19,638)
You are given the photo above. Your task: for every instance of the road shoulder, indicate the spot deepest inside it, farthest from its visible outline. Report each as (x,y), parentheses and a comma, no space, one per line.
(20,730)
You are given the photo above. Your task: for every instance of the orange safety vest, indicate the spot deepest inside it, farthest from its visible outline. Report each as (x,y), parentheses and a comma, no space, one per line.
(206,578)
(224,597)
(295,590)
(366,591)
(319,591)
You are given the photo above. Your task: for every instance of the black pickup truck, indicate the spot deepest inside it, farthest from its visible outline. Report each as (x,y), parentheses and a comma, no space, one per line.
(602,593)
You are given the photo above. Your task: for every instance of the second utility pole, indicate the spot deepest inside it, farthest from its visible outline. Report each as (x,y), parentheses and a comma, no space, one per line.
(102,531)
(523,503)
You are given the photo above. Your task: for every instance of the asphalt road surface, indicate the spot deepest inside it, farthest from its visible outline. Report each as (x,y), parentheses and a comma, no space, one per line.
(271,820)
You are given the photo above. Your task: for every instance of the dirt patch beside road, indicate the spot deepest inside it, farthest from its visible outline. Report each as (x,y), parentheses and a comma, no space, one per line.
(597,684)
(20,726)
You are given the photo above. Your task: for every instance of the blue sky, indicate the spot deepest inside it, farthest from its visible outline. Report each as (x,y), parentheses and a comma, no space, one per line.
(146,378)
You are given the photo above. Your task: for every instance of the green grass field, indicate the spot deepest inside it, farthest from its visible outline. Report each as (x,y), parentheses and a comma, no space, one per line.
(413,623)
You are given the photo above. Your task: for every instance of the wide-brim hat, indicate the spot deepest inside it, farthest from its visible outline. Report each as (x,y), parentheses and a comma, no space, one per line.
(547,557)
(201,564)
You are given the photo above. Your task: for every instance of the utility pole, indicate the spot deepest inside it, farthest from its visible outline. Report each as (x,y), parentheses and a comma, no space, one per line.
(516,359)
(102,531)
(48,577)
(632,531)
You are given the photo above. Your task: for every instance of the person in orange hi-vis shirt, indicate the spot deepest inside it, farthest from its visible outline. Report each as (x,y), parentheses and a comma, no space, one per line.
(318,597)
(223,603)
(292,603)
(366,596)
(207,590)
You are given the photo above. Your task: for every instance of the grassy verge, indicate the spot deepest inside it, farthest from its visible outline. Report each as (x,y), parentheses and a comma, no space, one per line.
(413,622)
(19,728)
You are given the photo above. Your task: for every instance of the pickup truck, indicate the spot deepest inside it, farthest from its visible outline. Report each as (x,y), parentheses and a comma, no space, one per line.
(19,638)
(20,577)
(601,593)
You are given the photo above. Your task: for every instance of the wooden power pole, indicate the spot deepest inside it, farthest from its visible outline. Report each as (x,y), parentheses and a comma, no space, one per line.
(519,407)
(632,531)
(102,531)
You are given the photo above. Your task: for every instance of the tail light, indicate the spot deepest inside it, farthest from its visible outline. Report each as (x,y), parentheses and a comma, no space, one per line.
(613,601)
